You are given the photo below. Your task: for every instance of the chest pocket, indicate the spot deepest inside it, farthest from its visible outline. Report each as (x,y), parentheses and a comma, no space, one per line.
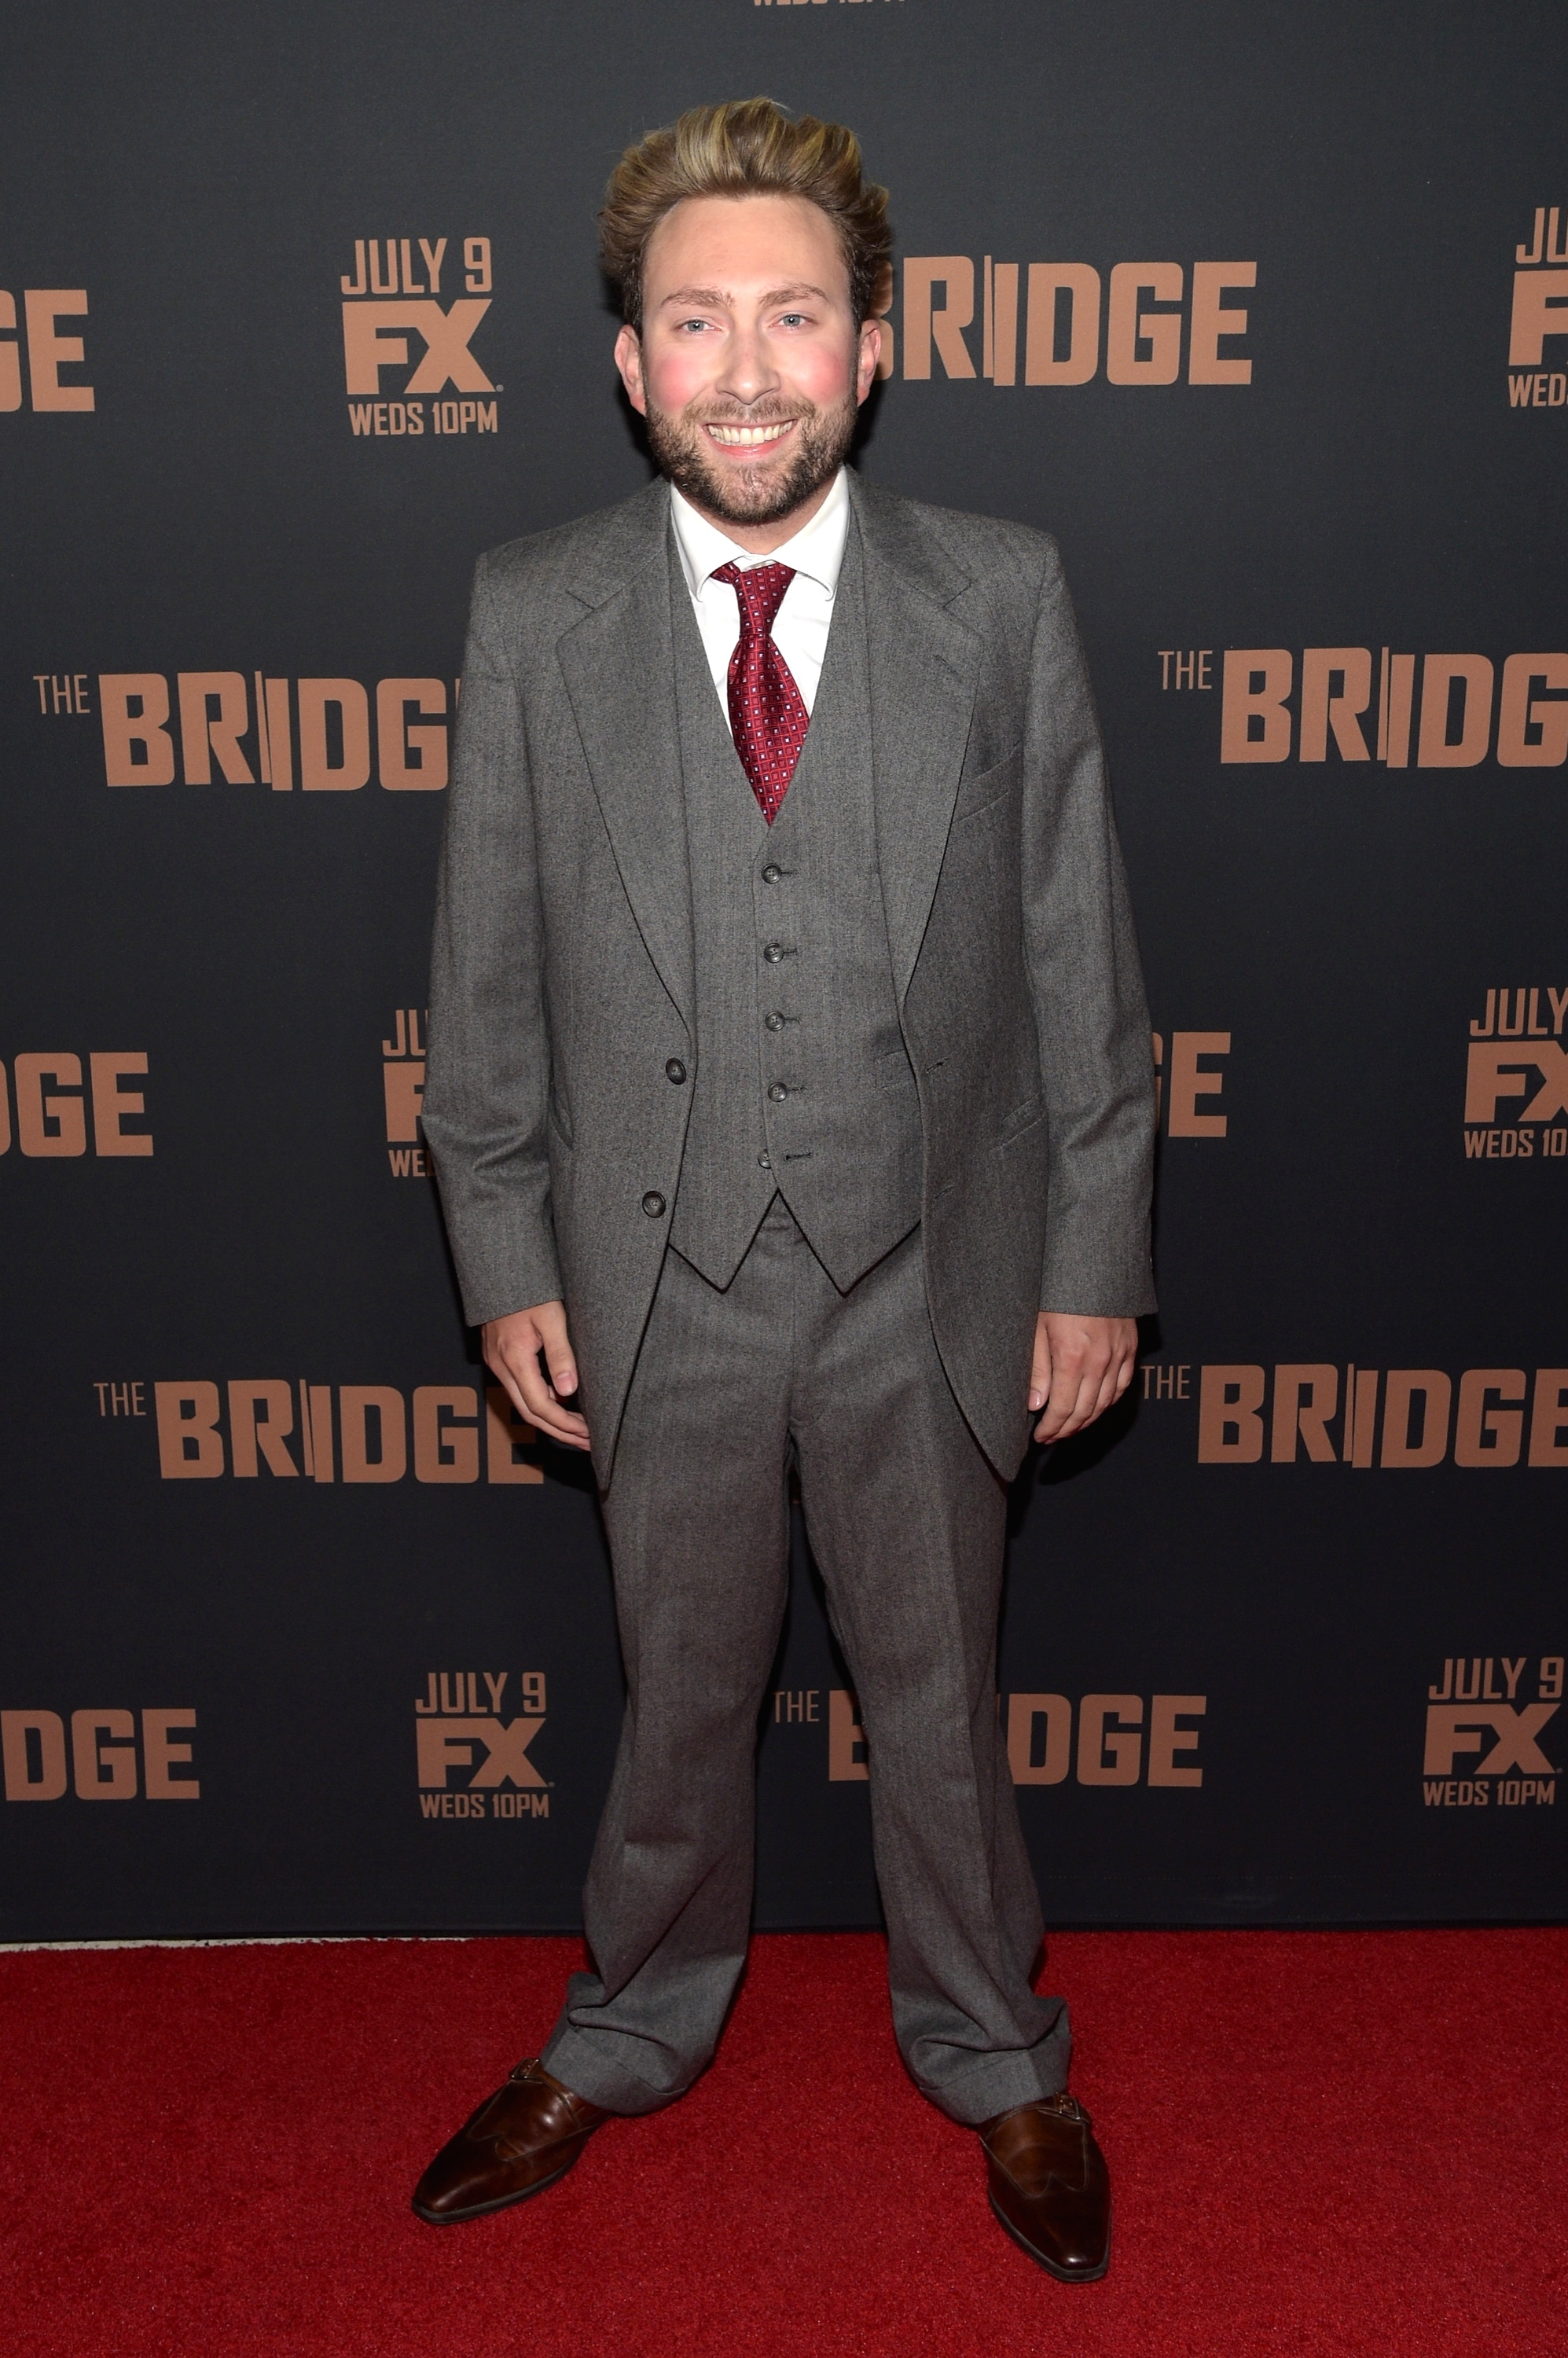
(894,1070)
(992,785)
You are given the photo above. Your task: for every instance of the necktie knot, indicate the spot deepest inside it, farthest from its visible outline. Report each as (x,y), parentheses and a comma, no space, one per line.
(761,591)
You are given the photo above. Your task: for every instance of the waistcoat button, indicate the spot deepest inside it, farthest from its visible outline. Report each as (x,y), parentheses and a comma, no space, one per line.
(774,1021)
(778,1093)
(765,1162)
(653,1205)
(774,952)
(772,874)
(675,1071)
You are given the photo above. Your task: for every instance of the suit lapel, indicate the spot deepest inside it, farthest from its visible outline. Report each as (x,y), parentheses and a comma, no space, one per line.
(924,666)
(618,663)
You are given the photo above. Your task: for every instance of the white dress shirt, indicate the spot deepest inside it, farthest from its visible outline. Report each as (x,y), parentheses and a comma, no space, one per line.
(800,626)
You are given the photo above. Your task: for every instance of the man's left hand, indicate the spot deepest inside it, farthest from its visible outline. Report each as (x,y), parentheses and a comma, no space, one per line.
(1081,1367)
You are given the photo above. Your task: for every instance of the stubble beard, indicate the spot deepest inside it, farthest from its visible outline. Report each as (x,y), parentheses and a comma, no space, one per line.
(751,496)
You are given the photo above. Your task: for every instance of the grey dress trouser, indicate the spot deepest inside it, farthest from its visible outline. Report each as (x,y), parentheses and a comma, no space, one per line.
(906,1520)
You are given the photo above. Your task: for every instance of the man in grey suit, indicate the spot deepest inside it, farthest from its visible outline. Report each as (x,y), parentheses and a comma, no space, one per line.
(790,1094)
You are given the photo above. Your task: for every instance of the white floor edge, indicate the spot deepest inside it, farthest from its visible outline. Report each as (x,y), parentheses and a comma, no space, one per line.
(259,1941)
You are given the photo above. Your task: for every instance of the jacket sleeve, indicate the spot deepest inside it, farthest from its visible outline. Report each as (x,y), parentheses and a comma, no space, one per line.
(488,1063)
(1098,1074)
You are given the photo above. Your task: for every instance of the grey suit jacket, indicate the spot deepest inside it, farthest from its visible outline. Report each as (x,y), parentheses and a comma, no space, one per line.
(562,982)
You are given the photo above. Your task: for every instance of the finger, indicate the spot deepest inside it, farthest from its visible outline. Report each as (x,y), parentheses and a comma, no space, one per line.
(1076,1407)
(556,1343)
(1096,1394)
(1040,1373)
(540,1405)
(561,1362)
(1058,1406)
(564,1425)
(1083,1410)
(1106,1394)
(1065,1387)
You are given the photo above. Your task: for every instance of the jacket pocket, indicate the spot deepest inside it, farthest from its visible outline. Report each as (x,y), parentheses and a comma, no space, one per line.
(894,1071)
(1022,1117)
(987,787)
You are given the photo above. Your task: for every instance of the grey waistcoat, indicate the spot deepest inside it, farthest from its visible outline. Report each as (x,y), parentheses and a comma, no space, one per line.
(803,1086)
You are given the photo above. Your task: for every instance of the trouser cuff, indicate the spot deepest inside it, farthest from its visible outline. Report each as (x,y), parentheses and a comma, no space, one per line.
(997,2084)
(578,2060)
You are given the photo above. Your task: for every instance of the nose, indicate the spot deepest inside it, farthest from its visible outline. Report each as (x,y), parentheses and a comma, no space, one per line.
(749,373)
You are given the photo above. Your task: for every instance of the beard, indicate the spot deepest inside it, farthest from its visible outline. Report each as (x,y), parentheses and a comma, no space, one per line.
(751,494)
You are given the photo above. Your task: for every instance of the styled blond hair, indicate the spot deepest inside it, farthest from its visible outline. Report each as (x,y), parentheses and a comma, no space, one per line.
(747,147)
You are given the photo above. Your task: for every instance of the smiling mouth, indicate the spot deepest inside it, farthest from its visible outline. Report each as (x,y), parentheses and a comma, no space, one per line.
(750,437)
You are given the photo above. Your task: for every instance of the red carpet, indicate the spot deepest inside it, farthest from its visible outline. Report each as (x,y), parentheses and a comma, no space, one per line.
(1320,2142)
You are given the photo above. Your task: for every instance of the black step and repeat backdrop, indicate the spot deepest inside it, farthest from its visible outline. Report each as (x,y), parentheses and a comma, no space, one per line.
(1263,310)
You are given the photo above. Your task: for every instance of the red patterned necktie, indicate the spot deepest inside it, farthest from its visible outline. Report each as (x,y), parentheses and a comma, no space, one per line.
(767,711)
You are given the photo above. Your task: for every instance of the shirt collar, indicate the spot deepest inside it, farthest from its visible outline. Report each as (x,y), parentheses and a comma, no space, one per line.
(815,550)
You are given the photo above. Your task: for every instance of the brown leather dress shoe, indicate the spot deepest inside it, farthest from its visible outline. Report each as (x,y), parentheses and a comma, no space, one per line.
(1049,2186)
(520,2141)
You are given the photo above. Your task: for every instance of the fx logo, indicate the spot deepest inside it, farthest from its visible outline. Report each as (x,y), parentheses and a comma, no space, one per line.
(1496,1070)
(1453,1728)
(445,1744)
(371,342)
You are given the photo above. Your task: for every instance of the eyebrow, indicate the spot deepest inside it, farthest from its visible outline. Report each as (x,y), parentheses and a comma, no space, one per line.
(717,300)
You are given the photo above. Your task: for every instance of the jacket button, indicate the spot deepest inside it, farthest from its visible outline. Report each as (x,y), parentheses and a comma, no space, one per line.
(653,1205)
(774,952)
(765,1162)
(772,874)
(778,1093)
(675,1071)
(775,1023)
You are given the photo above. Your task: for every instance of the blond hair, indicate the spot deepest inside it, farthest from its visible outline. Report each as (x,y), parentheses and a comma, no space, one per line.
(747,147)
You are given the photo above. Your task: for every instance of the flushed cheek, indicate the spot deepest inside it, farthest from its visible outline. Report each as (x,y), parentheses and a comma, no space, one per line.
(676,378)
(822,375)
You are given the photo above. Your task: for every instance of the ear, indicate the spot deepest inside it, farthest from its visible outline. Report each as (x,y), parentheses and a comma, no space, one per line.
(870,352)
(629,361)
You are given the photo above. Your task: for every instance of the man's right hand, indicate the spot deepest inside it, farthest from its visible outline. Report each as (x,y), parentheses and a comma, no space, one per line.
(512,1347)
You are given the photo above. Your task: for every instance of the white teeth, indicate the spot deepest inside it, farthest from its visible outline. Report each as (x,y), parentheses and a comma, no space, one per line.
(747,437)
